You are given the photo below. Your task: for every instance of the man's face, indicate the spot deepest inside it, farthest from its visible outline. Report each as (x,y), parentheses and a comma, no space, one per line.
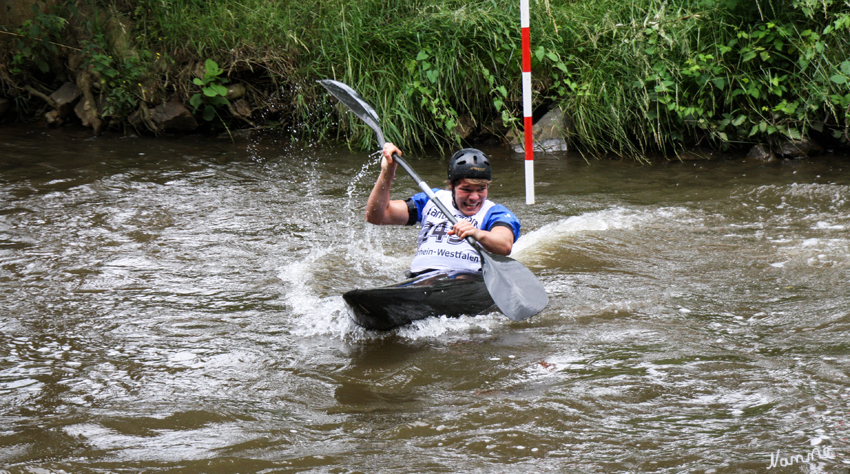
(470,197)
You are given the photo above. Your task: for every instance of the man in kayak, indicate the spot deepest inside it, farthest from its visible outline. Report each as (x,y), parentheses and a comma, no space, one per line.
(441,246)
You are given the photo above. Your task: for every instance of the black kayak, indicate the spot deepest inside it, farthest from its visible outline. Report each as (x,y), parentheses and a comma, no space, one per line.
(431,294)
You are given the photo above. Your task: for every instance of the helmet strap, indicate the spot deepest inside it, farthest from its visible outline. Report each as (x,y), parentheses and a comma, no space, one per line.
(454,202)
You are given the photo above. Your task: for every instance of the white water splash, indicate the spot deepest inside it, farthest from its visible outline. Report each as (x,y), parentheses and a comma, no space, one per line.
(434,327)
(598,221)
(315,315)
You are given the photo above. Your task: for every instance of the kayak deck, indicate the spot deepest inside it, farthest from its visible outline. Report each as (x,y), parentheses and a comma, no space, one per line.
(431,294)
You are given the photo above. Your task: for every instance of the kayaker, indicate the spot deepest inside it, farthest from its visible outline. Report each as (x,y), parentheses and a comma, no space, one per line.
(442,247)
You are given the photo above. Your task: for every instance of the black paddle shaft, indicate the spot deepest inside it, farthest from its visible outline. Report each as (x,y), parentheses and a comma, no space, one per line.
(513,287)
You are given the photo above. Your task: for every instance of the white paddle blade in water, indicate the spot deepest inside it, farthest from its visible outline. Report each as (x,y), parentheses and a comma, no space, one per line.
(514,289)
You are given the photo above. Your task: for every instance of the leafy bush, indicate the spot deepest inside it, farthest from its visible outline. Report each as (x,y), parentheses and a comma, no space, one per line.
(35,43)
(212,93)
(121,81)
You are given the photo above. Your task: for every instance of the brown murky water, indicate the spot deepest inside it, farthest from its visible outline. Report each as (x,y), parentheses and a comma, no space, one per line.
(173,305)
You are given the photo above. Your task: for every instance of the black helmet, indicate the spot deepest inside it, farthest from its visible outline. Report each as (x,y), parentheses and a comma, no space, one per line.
(469,163)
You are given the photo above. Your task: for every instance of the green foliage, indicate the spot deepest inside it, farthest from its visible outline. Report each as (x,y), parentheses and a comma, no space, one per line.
(708,72)
(34,46)
(426,86)
(635,76)
(121,81)
(500,96)
(213,93)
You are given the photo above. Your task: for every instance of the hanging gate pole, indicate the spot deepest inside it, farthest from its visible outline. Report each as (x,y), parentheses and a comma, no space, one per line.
(526,102)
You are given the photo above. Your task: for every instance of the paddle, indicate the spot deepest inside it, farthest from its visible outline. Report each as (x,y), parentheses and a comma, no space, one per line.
(513,287)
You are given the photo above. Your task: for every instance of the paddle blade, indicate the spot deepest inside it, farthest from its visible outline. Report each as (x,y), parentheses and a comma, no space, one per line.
(351,99)
(515,290)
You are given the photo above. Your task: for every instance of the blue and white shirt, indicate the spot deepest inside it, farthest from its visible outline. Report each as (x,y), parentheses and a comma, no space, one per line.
(440,251)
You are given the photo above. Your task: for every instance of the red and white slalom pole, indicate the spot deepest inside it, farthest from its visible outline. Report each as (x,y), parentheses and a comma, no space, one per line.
(526,103)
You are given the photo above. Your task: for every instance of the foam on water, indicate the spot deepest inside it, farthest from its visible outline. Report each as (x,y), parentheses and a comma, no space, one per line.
(598,221)
(434,327)
(316,315)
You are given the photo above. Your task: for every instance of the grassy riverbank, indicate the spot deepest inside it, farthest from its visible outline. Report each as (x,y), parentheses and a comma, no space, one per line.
(634,77)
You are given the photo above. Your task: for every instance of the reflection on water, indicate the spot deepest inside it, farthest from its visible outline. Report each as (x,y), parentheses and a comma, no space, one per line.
(174,305)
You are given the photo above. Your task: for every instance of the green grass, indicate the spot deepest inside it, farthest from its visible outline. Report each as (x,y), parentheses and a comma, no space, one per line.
(636,77)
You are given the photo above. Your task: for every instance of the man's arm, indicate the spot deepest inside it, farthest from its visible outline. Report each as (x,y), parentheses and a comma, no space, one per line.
(380,209)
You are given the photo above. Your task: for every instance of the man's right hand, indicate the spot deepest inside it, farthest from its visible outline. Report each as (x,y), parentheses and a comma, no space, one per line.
(388,163)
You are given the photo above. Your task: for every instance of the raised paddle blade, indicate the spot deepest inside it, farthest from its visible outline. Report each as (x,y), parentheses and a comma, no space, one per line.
(351,99)
(514,289)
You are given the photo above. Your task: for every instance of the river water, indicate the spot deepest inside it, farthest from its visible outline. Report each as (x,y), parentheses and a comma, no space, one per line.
(173,305)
